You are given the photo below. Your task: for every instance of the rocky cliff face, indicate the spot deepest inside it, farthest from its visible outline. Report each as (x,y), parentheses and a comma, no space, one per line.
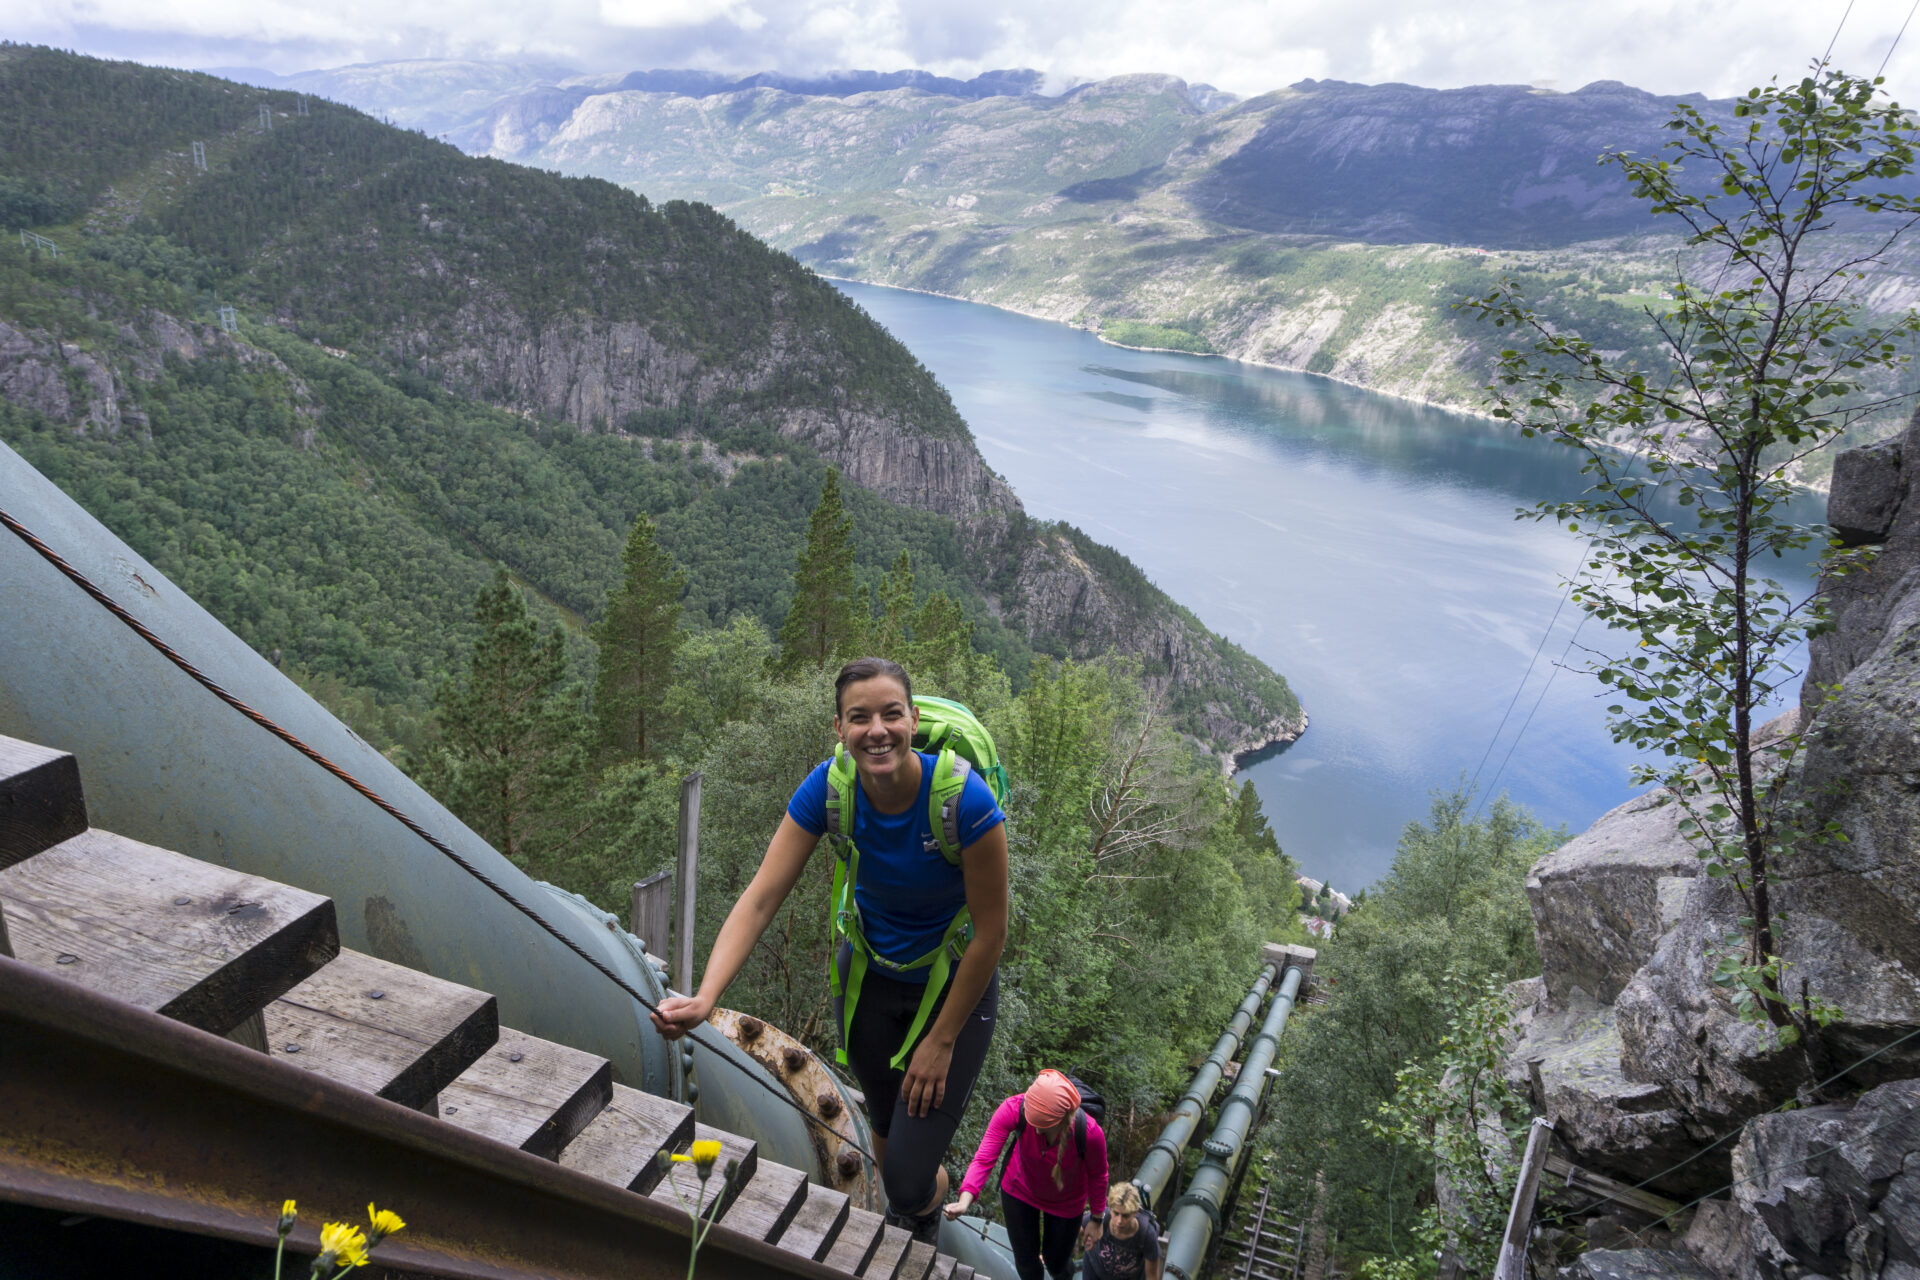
(1639,1059)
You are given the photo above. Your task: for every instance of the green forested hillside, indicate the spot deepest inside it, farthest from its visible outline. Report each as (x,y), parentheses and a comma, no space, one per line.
(440,365)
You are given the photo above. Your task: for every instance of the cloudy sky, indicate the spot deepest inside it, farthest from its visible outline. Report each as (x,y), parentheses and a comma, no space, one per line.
(1247,46)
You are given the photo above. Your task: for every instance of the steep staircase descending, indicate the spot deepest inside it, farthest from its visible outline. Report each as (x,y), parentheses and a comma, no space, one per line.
(1269,1245)
(123,924)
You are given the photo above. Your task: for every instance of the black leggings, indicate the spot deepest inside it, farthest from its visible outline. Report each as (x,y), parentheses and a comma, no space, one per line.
(1038,1236)
(916,1145)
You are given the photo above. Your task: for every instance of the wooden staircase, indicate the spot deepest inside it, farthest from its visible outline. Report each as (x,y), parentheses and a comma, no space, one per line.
(260,963)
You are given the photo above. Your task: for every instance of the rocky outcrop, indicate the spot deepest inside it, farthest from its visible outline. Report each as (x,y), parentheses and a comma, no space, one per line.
(1627,1042)
(1060,597)
(91,388)
(1602,900)
(1824,1191)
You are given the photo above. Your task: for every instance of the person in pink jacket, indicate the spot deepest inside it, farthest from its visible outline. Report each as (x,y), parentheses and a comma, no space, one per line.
(1055,1182)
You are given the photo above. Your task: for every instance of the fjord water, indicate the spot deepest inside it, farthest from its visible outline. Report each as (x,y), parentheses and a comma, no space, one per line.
(1363,546)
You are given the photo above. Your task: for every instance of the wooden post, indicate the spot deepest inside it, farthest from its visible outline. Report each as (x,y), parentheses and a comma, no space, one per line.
(1513,1248)
(685,880)
(652,912)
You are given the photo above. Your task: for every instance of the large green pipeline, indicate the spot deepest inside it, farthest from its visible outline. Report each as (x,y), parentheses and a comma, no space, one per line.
(1163,1157)
(1196,1215)
(163,761)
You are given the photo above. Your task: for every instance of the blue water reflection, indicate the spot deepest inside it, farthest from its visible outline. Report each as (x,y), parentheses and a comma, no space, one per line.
(1366,547)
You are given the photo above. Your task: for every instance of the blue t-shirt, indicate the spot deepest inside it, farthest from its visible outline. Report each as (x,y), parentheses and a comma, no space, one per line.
(908,893)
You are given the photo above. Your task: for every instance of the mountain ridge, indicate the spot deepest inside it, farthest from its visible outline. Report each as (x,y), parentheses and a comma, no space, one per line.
(380,274)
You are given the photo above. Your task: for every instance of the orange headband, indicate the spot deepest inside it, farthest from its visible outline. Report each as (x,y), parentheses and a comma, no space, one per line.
(1050,1099)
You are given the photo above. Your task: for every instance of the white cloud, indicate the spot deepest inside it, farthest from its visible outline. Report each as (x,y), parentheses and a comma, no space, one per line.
(1247,46)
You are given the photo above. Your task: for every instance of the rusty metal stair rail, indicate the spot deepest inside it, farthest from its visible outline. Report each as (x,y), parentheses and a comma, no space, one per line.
(118,1111)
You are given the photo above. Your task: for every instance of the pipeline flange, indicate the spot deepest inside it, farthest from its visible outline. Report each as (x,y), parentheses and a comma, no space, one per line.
(1217,1149)
(1206,1204)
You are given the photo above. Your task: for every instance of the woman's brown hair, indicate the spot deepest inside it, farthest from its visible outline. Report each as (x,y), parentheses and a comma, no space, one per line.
(868,669)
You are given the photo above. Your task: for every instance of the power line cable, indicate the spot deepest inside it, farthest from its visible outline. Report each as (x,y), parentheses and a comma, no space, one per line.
(1495,780)
(1522,686)
(360,788)
(1836,33)
(1896,39)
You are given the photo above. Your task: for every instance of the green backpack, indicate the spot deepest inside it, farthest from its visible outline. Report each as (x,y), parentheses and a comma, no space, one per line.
(961,745)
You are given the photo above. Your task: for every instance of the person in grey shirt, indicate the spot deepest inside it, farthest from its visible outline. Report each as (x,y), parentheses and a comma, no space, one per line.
(1128,1244)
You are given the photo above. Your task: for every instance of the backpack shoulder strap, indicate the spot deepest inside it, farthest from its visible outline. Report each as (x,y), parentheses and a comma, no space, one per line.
(1080,1133)
(841,802)
(1013,1139)
(950,770)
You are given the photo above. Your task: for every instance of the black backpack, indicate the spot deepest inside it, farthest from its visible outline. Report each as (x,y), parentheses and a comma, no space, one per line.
(1091,1104)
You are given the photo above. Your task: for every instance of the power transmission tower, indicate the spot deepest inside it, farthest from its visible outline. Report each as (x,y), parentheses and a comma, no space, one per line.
(200,156)
(300,105)
(266,119)
(229,320)
(34,240)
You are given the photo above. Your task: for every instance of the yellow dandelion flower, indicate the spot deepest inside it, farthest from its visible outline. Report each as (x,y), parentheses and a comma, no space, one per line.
(701,1155)
(385,1223)
(342,1245)
(288,1212)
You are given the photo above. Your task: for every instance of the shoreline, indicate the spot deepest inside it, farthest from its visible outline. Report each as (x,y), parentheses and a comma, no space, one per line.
(1483,415)
(1232,762)
(1423,401)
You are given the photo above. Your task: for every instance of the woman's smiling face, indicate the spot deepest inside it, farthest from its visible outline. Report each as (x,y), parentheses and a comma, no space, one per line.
(876,723)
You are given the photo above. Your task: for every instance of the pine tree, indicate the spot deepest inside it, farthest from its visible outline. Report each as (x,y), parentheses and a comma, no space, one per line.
(896,610)
(509,741)
(637,640)
(1250,822)
(823,623)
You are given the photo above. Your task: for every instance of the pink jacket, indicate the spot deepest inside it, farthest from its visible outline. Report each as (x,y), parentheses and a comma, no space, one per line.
(1030,1172)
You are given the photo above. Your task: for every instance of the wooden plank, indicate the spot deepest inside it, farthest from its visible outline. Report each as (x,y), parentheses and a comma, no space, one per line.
(622,1144)
(719,1196)
(1595,1184)
(1512,1263)
(943,1267)
(652,909)
(40,799)
(888,1255)
(185,938)
(963,1272)
(918,1262)
(252,1033)
(529,1093)
(390,1030)
(686,877)
(859,1238)
(767,1203)
(817,1226)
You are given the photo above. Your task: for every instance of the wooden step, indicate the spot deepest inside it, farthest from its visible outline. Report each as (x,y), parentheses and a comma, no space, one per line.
(381,1027)
(157,929)
(719,1196)
(859,1238)
(888,1255)
(817,1226)
(945,1267)
(40,800)
(918,1262)
(529,1093)
(962,1272)
(623,1143)
(766,1205)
